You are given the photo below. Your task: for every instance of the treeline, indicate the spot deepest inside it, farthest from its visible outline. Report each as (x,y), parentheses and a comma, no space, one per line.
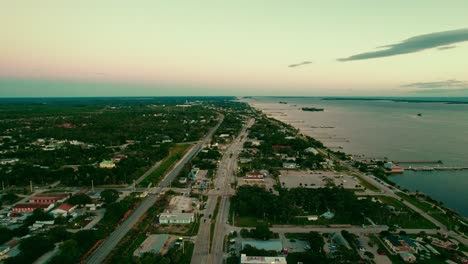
(254,201)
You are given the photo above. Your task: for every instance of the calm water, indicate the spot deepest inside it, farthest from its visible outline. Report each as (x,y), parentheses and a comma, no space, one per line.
(390,129)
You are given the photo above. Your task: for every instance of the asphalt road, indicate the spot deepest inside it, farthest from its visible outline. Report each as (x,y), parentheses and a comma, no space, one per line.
(222,188)
(111,242)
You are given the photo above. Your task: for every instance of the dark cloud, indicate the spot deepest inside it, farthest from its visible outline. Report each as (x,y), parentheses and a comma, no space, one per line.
(446,47)
(299,64)
(447,85)
(415,44)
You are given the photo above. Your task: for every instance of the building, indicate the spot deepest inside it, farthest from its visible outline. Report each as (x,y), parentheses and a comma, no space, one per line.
(392,168)
(311,150)
(49,198)
(290,165)
(176,218)
(193,173)
(262,260)
(63,210)
(338,239)
(407,257)
(328,215)
(401,244)
(107,164)
(269,245)
(254,175)
(30,207)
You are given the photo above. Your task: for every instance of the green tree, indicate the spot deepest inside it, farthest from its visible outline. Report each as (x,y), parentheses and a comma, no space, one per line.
(79,199)
(109,195)
(316,242)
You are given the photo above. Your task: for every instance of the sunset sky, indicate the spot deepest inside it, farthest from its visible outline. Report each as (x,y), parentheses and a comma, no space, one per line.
(243,47)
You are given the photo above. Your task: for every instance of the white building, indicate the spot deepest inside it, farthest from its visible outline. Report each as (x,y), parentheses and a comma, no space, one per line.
(311,150)
(262,260)
(176,218)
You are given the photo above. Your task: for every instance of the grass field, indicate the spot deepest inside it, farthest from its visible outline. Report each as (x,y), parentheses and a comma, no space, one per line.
(406,217)
(174,155)
(365,183)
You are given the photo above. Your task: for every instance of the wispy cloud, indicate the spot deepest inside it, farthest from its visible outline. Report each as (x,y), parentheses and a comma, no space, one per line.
(415,44)
(299,64)
(446,85)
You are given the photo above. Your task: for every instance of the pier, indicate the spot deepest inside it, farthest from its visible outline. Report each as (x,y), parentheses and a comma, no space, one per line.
(417,161)
(425,168)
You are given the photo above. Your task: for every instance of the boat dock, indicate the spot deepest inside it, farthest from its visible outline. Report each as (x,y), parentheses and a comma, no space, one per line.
(438,168)
(417,161)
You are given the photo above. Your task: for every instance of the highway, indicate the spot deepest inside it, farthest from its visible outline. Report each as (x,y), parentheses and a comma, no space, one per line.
(112,241)
(222,188)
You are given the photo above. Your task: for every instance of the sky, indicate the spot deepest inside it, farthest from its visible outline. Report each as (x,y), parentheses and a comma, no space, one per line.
(243,47)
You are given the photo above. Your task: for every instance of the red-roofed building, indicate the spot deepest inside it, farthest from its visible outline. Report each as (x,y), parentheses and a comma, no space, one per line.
(30,207)
(49,198)
(63,210)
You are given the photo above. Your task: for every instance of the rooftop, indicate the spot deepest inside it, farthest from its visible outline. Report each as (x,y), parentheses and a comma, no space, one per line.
(262,260)
(272,244)
(32,205)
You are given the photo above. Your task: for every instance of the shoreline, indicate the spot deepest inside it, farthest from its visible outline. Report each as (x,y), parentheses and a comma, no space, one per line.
(301,130)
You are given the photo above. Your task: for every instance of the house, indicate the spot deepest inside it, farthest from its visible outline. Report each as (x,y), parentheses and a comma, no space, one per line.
(107,164)
(30,207)
(176,218)
(279,147)
(183,180)
(407,257)
(63,210)
(401,244)
(262,260)
(244,160)
(290,165)
(193,173)
(49,198)
(254,175)
(311,150)
(328,215)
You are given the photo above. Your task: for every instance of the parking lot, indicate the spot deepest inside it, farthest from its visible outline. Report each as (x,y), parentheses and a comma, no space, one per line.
(317,179)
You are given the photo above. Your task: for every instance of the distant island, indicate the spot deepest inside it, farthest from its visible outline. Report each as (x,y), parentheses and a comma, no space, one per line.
(396,100)
(283,102)
(312,109)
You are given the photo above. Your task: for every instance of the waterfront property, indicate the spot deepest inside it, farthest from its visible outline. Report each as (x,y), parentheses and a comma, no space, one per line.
(401,244)
(176,218)
(262,260)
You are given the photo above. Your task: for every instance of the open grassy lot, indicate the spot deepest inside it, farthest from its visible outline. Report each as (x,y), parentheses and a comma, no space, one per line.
(175,154)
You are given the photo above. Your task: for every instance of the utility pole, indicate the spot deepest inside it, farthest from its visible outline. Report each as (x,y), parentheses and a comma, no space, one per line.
(3,185)
(30,186)
(92,185)
(133,185)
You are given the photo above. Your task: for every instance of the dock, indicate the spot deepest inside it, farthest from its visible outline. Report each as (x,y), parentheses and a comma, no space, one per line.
(438,168)
(417,161)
